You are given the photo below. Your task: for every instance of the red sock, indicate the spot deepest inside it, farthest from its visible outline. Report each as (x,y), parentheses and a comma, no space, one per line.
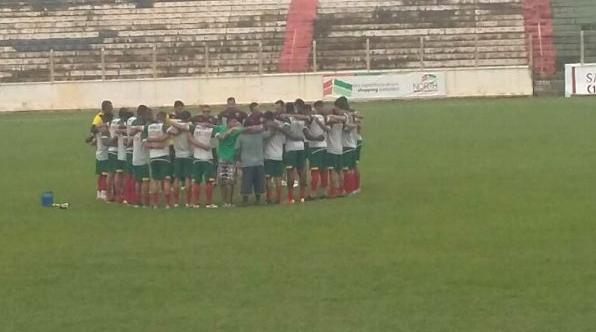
(209,192)
(188,194)
(331,191)
(125,188)
(119,189)
(168,198)
(268,193)
(315,176)
(196,193)
(102,184)
(278,194)
(346,181)
(324,178)
(290,191)
(146,199)
(129,190)
(132,195)
(352,181)
(135,196)
(302,191)
(346,184)
(349,182)
(175,195)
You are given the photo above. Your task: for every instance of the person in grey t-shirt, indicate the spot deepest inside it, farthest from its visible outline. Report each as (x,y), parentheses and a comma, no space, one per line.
(249,151)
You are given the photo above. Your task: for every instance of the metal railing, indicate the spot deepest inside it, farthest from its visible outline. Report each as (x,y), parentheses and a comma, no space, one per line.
(417,58)
(587,42)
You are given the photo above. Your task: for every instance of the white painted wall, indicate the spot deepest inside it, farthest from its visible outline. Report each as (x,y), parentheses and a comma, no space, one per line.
(490,81)
(461,82)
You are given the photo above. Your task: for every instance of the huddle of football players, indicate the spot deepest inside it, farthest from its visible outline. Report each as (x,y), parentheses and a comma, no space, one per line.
(149,158)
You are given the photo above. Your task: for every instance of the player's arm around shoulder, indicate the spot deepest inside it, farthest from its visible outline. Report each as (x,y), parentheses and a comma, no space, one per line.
(309,135)
(182,126)
(254,129)
(238,149)
(162,138)
(332,118)
(322,124)
(220,132)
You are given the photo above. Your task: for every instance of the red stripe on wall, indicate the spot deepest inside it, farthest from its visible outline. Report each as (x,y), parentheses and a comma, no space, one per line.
(538,22)
(298,37)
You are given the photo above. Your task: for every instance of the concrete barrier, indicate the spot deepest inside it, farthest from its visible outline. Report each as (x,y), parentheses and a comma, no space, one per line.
(489,81)
(460,82)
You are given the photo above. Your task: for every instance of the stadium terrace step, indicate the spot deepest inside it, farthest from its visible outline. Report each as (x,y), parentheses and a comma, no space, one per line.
(455,32)
(77,30)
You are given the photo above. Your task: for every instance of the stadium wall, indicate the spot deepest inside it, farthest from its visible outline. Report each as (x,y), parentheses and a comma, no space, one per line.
(460,82)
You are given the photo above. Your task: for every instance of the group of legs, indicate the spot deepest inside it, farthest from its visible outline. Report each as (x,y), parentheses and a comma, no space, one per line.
(328,177)
(188,175)
(163,184)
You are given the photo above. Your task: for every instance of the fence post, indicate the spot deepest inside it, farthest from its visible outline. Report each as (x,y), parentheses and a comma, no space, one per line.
(540,40)
(103,64)
(154,61)
(476,50)
(367,53)
(531,50)
(260,57)
(293,51)
(582,46)
(421,51)
(206,59)
(51,65)
(314,55)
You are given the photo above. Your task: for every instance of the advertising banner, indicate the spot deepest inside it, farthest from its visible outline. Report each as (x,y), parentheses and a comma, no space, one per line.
(580,79)
(379,85)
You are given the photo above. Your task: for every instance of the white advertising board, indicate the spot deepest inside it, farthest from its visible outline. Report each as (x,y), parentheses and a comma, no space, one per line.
(384,85)
(580,79)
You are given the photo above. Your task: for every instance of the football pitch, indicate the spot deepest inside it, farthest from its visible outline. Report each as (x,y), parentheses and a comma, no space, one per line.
(475,215)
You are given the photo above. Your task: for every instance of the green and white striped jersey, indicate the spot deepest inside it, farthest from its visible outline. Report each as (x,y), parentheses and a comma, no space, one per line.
(139,153)
(157,130)
(182,148)
(129,123)
(101,152)
(203,135)
(349,137)
(335,138)
(297,129)
(316,130)
(274,144)
(113,127)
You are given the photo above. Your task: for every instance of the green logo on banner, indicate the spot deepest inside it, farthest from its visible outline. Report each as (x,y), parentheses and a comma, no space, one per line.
(335,87)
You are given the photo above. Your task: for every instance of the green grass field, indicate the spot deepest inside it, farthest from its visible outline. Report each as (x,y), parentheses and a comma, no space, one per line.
(475,215)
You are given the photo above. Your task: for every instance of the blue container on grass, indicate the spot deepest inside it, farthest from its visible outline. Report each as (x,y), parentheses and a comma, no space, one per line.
(47,199)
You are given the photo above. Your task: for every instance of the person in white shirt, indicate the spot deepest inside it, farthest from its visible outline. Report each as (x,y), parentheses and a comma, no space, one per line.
(319,174)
